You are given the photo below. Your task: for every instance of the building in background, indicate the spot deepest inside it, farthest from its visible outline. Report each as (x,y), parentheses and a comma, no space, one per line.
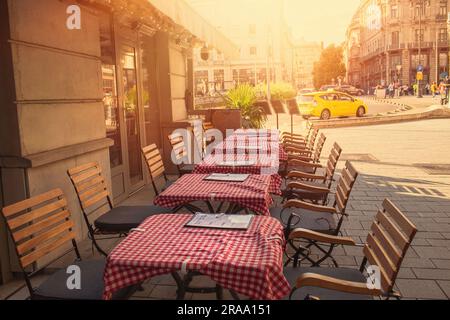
(305,55)
(95,94)
(262,36)
(385,37)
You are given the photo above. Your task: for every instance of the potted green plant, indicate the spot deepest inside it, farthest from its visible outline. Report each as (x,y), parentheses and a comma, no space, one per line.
(243,97)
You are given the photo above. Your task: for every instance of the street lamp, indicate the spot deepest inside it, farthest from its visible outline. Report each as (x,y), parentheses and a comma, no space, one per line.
(419,89)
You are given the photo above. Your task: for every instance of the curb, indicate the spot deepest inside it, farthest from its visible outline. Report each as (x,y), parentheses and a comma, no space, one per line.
(431,113)
(391,102)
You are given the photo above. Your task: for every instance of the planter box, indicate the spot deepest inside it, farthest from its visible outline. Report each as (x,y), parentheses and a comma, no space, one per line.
(226,119)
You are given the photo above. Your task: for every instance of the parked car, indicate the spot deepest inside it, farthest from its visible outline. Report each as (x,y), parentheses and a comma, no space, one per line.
(328,87)
(306,90)
(351,90)
(326,105)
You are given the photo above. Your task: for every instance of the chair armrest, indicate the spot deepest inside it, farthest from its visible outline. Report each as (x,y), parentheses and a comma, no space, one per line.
(302,163)
(300,157)
(325,282)
(304,186)
(300,233)
(308,206)
(304,175)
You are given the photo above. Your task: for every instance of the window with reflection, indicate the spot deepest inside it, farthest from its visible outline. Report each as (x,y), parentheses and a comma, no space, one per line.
(110,89)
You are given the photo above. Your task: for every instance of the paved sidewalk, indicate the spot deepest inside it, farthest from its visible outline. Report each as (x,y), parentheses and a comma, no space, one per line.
(386,157)
(393,172)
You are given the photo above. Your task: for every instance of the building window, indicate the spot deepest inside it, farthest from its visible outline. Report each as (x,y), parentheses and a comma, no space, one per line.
(395,40)
(442,34)
(443,9)
(443,60)
(415,61)
(253,51)
(419,35)
(394,11)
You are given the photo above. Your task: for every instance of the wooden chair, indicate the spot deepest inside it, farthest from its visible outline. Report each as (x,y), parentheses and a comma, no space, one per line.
(155,167)
(390,237)
(39,227)
(318,218)
(102,219)
(305,148)
(307,185)
(208,139)
(296,161)
(181,154)
(287,137)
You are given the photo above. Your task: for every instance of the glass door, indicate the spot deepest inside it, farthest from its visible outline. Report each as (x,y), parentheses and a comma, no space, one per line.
(130,105)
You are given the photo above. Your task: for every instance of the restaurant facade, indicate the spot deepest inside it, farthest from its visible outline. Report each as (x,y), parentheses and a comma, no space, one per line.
(93,80)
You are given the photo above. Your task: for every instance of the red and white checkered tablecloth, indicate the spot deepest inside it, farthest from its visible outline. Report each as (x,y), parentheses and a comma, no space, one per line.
(253,193)
(249,262)
(256,164)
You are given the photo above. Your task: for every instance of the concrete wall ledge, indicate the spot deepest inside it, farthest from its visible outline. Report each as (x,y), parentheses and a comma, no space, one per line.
(433,112)
(48,157)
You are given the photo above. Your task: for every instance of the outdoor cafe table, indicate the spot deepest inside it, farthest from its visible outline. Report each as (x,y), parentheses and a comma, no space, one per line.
(253,193)
(249,262)
(242,164)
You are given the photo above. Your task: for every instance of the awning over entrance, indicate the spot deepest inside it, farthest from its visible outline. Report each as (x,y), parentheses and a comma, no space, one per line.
(184,15)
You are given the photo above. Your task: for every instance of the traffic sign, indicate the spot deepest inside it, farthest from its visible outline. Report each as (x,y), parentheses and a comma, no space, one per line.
(420,68)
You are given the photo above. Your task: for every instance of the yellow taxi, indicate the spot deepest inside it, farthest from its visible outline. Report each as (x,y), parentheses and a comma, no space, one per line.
(329,104)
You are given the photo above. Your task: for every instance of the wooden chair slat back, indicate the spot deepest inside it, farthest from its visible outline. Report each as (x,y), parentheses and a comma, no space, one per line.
(319,147)
(178,146)
(332,162)
(39,225)
(388,241)
(345,186)
(154,161)
(90,186)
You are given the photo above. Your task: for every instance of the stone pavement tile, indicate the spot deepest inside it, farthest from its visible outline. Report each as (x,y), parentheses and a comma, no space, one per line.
(164,292)
(347,261)
(165,279)
(435,227)
(148,288)
(439,243)
(445,286)
(446,235)
(406,273)
(417,263)
(420,289)
(441,264)
(431,252)
(354,251)
(432,274)
(428,235)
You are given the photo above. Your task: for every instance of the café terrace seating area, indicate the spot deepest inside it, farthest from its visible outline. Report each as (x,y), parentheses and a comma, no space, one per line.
(260,217)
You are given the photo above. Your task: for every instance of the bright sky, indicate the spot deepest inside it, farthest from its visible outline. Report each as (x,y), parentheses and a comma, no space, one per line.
(324,20)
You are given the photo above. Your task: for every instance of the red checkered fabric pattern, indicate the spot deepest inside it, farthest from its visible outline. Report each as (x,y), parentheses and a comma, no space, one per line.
(253,193)
(249,262)
(259,165)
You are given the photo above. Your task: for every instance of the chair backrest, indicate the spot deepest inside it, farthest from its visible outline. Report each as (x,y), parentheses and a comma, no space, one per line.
(312,138)
(178,148)
(333,159)
(91,188)
(319,147)
(344,187)
(155,164)
(207,126)
(39,226)
(387,243)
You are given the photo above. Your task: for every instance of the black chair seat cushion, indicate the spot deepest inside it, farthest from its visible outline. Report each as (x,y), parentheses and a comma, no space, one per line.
(186,168)
(306,194)
(311,220)
(92,285)
(122,219)
(347,274)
